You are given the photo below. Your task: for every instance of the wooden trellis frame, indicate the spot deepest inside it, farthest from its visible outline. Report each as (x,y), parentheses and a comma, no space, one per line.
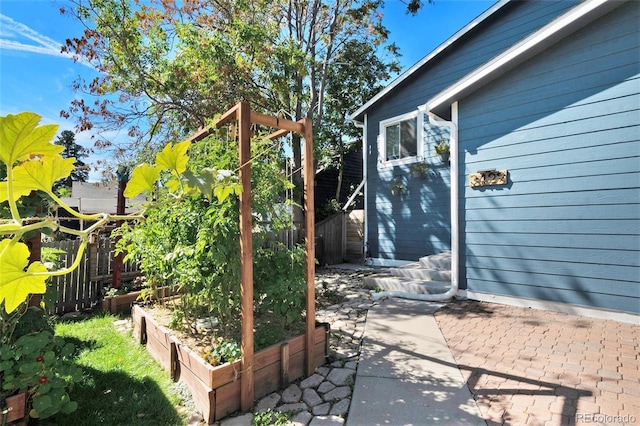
(243,116)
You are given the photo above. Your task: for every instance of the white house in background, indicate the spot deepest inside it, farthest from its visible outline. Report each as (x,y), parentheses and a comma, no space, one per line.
(89,197)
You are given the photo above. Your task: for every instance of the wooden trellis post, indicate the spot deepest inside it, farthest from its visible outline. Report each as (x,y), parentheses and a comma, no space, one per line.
(242,114)
(309,176)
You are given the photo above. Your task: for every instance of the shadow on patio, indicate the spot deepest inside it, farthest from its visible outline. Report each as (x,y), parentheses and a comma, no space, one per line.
(410,373)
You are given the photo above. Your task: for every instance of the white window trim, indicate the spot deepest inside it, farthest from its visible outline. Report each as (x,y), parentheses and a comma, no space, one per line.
(382,143)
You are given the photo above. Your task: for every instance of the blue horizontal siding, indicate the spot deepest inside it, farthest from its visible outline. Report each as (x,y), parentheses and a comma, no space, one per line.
(548,279)
(572,255)
(591,133)
(613,114)
(543,166)
(556,282)
(566,271)
(582,198)
(566,125)
(621,244)
(602,228)
(567,185)
(592,212)
(600,64)
(574,296)
(405,228)
(416,223)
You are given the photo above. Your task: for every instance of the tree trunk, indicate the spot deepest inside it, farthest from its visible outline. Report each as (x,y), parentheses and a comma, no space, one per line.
(340,175)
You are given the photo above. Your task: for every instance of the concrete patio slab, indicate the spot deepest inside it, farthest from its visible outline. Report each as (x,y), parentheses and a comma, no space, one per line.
(407,375)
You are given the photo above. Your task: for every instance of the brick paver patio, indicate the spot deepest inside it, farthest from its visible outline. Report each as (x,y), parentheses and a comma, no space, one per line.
(534,367)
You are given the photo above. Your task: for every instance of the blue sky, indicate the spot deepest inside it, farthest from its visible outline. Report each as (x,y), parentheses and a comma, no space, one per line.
(35,76)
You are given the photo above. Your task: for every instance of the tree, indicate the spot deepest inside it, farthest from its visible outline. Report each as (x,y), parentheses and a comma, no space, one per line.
(355,77)
(80,172)
(170,66)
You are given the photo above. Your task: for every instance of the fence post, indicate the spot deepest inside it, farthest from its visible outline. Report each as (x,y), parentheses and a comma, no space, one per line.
(123,178)
(343,226)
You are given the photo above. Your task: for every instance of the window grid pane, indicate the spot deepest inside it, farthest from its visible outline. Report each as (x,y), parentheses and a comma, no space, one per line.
(393,142)
(409,138)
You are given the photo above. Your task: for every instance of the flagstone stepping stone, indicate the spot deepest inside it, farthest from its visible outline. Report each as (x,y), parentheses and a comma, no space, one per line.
(338,393)
(291,394)
(311,398)
(312,381)
(326,387)
(340,408)
(269,402)
(341,376)
(322,410)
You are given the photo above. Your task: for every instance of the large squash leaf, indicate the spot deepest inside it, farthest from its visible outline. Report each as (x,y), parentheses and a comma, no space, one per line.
(41,174)
(143,178)
(174,157)
(222,191)
(15,283)
(4,192)
(21,138)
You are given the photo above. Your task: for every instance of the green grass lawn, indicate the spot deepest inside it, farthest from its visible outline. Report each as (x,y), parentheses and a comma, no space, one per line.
(122,384)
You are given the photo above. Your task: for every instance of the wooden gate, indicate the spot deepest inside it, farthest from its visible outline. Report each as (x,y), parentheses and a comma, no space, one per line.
(339,238)
(354,249)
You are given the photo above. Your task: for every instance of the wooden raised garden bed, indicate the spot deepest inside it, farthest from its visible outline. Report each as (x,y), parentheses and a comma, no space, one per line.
(216,390)
(123,302)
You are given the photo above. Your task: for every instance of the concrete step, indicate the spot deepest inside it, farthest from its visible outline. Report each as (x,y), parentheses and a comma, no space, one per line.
(387,282)
(415,270)
(440,261)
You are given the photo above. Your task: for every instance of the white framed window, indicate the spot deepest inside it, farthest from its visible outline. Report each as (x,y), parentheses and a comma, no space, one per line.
(401,139)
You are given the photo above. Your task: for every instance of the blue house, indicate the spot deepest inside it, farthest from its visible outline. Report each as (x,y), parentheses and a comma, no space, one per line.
(539,203)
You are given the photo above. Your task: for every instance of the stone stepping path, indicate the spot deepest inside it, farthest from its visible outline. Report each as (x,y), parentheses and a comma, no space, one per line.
(324,398)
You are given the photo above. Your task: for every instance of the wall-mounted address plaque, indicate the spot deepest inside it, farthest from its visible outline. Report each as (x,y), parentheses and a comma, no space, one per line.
(491,177)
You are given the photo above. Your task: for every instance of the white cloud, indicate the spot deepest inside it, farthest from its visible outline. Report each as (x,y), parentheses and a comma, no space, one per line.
(11,30)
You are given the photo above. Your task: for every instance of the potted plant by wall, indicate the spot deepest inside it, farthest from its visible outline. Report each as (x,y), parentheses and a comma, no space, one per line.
(442,149)
(398,188)
(419,169)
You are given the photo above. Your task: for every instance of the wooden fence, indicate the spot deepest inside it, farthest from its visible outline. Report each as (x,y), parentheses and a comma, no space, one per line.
(354,245)
(82,288)
(338,239)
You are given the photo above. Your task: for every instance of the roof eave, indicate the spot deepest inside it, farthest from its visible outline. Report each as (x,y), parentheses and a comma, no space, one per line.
(357,115)
(556,30)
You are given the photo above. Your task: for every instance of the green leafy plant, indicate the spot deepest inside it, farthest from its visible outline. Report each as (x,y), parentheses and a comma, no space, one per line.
(330,208)
(271,418)
(112,292)
(419,169)
(442,149)
(31,358)
(34,164)
(30,164)
(398,188)
(177,319)
(194,244)
(279,282)
(221,352)
(50,257)
(42,364)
